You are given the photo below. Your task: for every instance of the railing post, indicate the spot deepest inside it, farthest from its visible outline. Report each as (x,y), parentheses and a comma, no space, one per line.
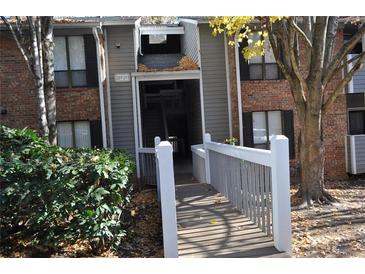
(168,203)
(207,138)
(281,193)
(157,141)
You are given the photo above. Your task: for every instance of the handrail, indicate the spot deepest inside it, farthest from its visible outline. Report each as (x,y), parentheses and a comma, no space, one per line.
(255,155)
(199,150)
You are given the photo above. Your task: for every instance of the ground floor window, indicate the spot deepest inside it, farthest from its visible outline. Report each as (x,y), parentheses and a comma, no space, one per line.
(357,122)
(264,125)
(74,134)
(259,126)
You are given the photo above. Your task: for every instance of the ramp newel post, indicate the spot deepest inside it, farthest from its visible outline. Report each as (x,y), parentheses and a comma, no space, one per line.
(167,195)
(207,139)
(281,193)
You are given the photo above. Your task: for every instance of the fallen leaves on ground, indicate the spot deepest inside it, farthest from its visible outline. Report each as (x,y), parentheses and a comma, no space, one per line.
(336,230)
(145,233)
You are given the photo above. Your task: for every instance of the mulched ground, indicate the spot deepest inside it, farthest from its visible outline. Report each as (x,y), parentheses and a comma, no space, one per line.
(332,231)
(144,236)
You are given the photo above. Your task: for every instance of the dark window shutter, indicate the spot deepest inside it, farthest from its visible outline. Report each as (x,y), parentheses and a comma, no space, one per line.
(91,61)
(244,69)
(247,129)
(96,134)
(288,131)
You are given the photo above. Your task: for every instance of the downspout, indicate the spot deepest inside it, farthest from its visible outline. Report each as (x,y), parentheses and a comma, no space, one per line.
(101,89)
(228,84)
(110,124)
(238,79)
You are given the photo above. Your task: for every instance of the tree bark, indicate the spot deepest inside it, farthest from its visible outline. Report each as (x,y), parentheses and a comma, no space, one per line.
(49,78)
(38,78)
(311,156)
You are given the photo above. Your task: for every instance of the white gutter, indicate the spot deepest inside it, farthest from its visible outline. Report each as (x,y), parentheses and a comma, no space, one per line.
(101,90)
(111,137)
(238,81)
(228,85)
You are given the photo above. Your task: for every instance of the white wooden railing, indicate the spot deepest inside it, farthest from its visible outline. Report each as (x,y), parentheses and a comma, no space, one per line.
(255,181)
(198,157)
(166,196)
(147,165)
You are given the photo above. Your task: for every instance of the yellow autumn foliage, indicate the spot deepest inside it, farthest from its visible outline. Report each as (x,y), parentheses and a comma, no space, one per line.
(245,27)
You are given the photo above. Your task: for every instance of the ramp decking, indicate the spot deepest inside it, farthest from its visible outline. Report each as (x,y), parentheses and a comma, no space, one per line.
(208,226)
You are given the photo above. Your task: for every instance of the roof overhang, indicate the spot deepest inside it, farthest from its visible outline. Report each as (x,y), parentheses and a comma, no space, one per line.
(164,29)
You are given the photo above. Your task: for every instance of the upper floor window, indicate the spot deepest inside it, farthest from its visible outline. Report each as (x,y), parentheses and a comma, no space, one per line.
(75,61)
(260,67)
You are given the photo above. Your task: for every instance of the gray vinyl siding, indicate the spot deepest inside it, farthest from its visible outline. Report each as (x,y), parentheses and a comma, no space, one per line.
(214,84)
(348,154)
(121,60)
(359,80)
(360,154)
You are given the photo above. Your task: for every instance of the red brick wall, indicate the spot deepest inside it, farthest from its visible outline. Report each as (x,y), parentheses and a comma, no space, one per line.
(260,95)
(18,97)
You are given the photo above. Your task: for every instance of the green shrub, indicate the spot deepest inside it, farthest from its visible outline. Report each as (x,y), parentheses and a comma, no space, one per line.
(55,196)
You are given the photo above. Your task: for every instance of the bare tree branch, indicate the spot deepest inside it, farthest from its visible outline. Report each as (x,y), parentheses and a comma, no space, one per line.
(294,60)
(344,65)
(20,46)
(275,47)
(330,39)
(317,52)
(300,31)
(338,90)
(341,55)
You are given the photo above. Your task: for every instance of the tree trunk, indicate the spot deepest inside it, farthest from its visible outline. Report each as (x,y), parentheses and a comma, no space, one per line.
(38,79)
(49,78)
(311,156)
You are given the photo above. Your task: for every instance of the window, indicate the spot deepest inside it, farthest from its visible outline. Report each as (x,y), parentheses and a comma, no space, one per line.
(357,122)
(258,127)
(75,61)
(265,124)
(260,67)
(74,134)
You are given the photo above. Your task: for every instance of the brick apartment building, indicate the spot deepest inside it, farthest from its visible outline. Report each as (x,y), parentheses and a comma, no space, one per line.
(123,112)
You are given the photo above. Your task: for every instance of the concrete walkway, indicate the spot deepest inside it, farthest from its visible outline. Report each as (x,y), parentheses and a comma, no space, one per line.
(208,226)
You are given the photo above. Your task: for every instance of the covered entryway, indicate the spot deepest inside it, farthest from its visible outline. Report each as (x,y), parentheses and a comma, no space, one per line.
(168,105)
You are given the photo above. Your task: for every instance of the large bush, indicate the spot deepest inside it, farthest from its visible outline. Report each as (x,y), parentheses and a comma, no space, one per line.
(55,196)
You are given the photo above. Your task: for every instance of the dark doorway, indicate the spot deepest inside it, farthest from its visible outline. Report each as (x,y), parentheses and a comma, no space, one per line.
(171,110)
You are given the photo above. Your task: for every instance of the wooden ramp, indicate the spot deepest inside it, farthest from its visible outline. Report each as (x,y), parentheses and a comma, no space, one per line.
(208,226)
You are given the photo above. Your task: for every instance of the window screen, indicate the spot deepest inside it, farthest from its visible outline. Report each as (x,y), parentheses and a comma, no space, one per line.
(74,134)
(70,63)
(274,122)
(264,125)
(65,134)
(82,134)
(60,55)
(77,52)
(259,128)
